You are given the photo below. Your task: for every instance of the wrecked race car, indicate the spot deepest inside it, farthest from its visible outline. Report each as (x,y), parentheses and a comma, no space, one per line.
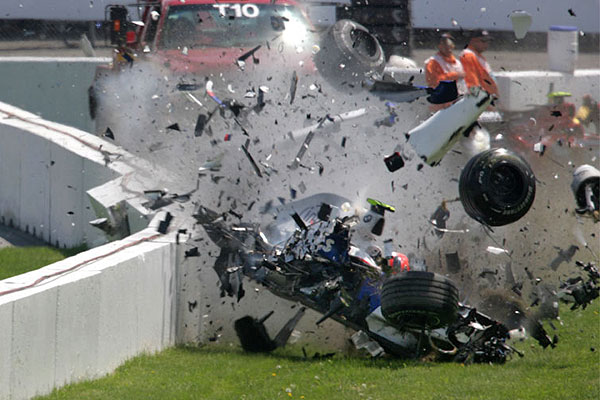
(320,252)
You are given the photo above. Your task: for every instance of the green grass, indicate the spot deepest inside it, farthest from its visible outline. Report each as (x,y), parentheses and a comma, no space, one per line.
(570,371)
(18,260)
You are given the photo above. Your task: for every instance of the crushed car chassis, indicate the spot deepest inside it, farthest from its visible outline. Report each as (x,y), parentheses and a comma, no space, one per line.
(403,312)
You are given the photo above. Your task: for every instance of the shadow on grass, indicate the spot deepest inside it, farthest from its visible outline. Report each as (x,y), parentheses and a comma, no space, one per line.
(73,250)
(19,260)
(298,354)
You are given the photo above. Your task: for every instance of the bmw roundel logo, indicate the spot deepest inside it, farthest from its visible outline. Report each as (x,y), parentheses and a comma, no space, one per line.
(367,218)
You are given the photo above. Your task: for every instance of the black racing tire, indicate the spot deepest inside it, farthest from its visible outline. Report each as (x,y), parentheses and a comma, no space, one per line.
(497,187)
(419,299)
(349,53)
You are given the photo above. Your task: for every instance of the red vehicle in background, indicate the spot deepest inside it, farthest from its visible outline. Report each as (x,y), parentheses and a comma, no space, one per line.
(198,35)
(558,122)
(221,39)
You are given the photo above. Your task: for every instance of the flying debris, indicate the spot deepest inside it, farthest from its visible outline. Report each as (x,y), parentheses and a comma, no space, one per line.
(586,188)
(253,333)
(213,165)
(241,60)
(109,134)
(327,121)
(156,199)
(521,22)
(581,291)
(394,162)
(433,138)
(293,87)
(200,124)
(389,89)
(439,217)
(251,159)
(496,250)
(163,225)
(174,127)
(185,87)
(193,252)
(296,163)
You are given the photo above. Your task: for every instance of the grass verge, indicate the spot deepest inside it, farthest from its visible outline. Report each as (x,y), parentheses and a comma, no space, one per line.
(18,260)
(569,371)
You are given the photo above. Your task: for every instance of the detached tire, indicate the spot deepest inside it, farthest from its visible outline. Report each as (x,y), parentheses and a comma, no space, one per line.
(497,187)
(586,175)
(418,299)
(348,53)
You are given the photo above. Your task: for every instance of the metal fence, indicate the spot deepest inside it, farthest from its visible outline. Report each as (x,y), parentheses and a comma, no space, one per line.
(16,35)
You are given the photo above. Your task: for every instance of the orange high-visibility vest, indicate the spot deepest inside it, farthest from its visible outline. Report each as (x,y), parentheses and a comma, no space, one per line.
(477,71)
(439,68)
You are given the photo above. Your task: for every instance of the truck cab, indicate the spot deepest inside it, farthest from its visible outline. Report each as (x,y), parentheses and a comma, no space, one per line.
(199,35)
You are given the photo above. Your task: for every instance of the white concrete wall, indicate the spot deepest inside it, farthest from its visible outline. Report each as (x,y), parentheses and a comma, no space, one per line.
(47,181)
(494,15)
(48,172)
(87,322)
(54,88)
(60,10)
(518,90)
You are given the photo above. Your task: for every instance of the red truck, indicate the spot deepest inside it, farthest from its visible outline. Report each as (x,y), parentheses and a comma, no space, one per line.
(196,35)
(189,38)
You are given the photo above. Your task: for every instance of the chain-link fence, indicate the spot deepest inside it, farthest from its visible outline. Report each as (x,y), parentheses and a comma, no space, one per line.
(63,37)
(22,35)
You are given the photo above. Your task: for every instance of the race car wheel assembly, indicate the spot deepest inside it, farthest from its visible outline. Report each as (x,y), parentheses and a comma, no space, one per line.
(348,53)
(497,187)
(419,299)
(586,188)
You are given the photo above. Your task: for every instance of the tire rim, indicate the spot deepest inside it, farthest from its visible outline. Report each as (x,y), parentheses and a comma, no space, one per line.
(507,185)
(364,43)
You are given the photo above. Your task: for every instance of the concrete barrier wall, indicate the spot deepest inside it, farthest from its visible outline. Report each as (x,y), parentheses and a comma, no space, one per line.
(120,298)
(87,322)
(54,88)
(519,90)
(45,182)
(49,173)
